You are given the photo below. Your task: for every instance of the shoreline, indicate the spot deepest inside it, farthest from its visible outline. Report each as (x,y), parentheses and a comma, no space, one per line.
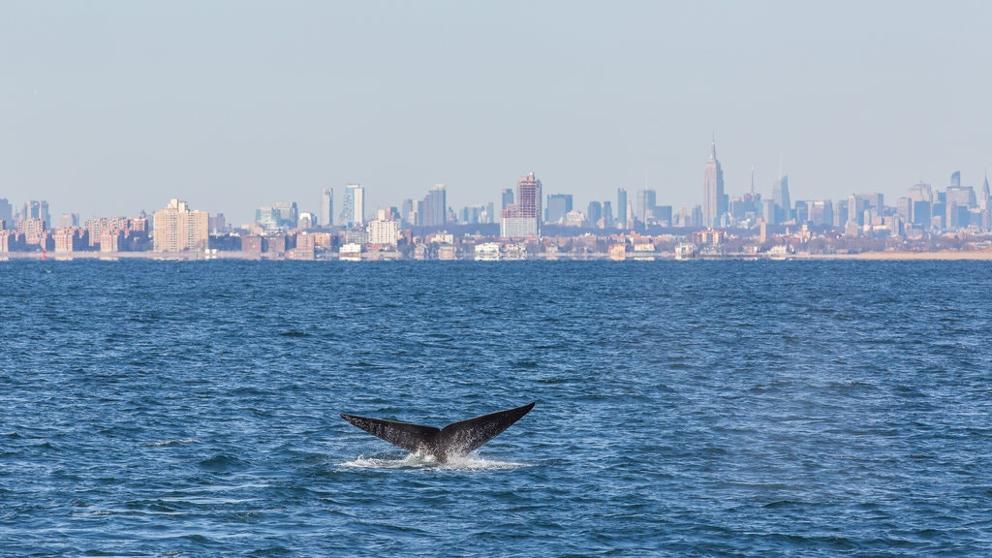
(947,255)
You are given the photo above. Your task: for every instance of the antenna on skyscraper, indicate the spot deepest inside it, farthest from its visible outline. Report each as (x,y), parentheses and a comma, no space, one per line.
(752,180)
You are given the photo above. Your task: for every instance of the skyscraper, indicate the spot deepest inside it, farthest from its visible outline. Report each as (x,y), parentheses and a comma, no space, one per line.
(780,195)
(506,197)
(178,228)
(594,213)
(353,206)
(956,179)
(608,221)
(37,210)
(714,198)
(622,208)
(435,207)
(647,199)
(523,219)
(327,207)
(558,206)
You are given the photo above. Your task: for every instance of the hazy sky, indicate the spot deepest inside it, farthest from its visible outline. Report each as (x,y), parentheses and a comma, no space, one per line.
(107,108)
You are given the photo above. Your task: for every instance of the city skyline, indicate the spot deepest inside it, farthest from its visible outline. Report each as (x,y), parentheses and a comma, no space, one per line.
(257,100)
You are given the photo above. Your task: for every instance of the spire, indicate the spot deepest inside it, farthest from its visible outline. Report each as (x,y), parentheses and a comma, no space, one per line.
(752,180)
(713,148)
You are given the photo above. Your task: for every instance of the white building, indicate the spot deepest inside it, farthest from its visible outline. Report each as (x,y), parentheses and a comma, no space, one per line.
(518,227)
(383,231)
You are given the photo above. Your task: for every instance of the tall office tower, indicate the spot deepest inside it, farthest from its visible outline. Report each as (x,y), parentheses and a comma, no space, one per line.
(523,219)
(608,221)
(801,212)
(780,195)
(178,228)
(558,206)
(821,213)
(621,208)
(435,207)
(326,213)
(6,214)
(490,214)
(697,216)
(956,179)
(406,211)
(856,207)
(647,199)
(769,212)
(594,213)
(663,215)
(353,206)
(37,210)
(714,198)
(506,198)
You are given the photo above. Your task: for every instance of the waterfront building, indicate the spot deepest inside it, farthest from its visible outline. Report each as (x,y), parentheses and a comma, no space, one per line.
(487,252)
(179,228)
(353,206)
(383,230)
(714,198)
(70,239)
(34,231)
(326,211)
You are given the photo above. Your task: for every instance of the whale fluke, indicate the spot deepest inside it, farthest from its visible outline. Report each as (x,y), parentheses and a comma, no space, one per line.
(458,438)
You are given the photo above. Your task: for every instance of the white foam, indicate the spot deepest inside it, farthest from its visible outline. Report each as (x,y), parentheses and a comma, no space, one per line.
(166,443)
(421,461)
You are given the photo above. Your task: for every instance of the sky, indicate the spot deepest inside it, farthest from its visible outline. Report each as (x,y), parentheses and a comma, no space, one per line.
(108,108)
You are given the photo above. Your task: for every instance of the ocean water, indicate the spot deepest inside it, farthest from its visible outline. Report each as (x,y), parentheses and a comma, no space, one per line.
(683,409)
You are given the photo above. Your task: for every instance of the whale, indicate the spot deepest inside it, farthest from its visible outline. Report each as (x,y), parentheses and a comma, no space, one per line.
(454,440)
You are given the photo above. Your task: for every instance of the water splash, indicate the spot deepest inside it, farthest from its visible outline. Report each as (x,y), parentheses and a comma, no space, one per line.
(416,461)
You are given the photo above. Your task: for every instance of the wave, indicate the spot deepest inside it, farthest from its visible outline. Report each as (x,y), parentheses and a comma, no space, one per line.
(422,461)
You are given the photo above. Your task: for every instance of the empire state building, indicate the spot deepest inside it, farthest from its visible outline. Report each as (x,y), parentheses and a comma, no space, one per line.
(714,200)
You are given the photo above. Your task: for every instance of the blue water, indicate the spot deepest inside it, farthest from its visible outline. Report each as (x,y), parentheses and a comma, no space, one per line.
(684,409)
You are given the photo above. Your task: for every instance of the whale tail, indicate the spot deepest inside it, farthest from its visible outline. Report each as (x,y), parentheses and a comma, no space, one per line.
(458,438)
